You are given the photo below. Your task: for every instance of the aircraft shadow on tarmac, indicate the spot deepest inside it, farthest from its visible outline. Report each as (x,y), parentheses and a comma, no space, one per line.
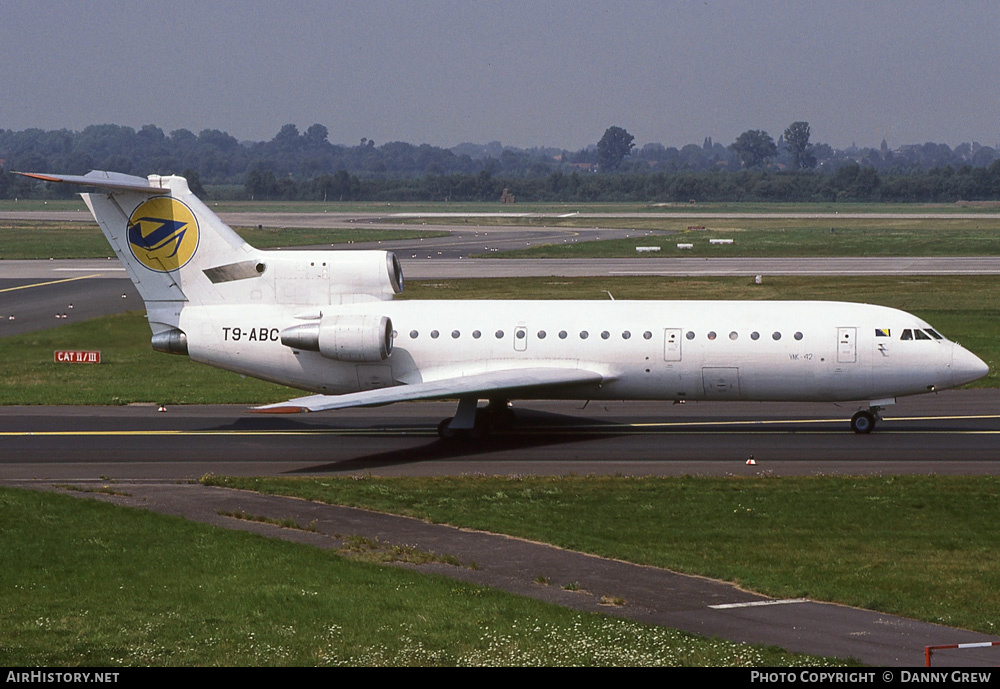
(532,429)
(381,443)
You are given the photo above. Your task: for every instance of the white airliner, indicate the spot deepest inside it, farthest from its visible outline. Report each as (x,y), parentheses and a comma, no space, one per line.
(324,321)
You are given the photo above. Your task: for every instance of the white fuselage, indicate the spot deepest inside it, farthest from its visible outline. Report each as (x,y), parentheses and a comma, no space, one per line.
(669,350)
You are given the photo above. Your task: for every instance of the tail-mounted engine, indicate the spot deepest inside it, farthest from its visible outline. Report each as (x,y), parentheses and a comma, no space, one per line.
(343,338)
(329,277)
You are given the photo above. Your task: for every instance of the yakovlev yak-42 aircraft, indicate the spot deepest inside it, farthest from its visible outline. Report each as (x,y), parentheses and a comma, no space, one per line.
(324,321)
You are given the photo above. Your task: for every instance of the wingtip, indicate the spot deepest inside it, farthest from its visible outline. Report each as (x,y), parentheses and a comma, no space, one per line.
(36,175)
(279,410)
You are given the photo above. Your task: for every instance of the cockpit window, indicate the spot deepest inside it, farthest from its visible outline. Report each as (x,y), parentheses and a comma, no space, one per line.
(918,334)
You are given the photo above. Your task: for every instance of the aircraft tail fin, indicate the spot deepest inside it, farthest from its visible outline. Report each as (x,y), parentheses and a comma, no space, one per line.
(179,253)
(169,241)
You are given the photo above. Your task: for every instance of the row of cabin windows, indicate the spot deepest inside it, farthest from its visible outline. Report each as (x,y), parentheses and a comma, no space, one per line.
(521,334)
(605,335)
(776,335)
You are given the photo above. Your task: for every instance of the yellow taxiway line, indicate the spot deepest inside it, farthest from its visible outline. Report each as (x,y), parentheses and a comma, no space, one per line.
(50,282)
(595,429)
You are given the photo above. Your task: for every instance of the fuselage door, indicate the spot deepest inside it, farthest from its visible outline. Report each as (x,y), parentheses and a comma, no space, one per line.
(520,338)
(847,345)
(671,344)
(721,382)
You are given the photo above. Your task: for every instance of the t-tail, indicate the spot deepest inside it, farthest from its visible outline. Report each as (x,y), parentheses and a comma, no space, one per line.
(179,254)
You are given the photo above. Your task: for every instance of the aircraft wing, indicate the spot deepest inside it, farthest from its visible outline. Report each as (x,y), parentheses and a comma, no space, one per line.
(486,384)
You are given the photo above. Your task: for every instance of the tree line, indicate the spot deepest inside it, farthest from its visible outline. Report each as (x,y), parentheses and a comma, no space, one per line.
(306,165)
(848,183)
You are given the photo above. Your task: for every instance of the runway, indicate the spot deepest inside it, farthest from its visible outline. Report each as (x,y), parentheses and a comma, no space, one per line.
(953,432)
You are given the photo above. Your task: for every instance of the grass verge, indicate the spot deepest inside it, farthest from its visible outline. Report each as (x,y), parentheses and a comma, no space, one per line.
(130,370)
(917,546)
(40,240)
(760,238)
(388,207)
(86,583)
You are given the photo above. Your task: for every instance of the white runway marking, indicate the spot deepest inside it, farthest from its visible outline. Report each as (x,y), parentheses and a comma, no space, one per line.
(759,603)
(83,270)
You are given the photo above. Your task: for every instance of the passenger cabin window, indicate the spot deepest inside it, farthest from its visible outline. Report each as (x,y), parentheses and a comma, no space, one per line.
(689,334)
(562,334)
(755,335)
(476,334)
(413,334)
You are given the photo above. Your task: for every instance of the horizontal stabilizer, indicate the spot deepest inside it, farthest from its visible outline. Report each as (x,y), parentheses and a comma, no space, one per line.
(487,384)
(114,181)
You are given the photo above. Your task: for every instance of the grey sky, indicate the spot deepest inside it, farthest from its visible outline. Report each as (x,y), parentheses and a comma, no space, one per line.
(553,73)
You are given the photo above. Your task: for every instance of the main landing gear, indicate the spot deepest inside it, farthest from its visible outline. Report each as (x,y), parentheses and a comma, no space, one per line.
(864,421)
(472,423)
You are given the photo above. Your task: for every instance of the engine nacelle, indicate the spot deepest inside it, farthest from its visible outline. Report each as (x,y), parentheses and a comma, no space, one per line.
(343,338)
(172,341)
(331,277)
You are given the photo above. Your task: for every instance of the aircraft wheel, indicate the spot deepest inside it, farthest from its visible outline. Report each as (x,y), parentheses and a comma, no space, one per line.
(444,432)
(863,422)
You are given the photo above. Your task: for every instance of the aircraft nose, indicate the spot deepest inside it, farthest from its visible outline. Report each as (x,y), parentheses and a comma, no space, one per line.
(966,366)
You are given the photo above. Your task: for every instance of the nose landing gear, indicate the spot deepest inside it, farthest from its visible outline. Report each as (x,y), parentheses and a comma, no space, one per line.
(864,420)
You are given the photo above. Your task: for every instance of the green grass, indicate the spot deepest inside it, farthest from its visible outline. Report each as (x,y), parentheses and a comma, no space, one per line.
(23,239)
(75,204)
(759,238)
(584,207)
(964,309)
(919,546)
(84,583)
(34,239)
(976,235)
(130,370)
